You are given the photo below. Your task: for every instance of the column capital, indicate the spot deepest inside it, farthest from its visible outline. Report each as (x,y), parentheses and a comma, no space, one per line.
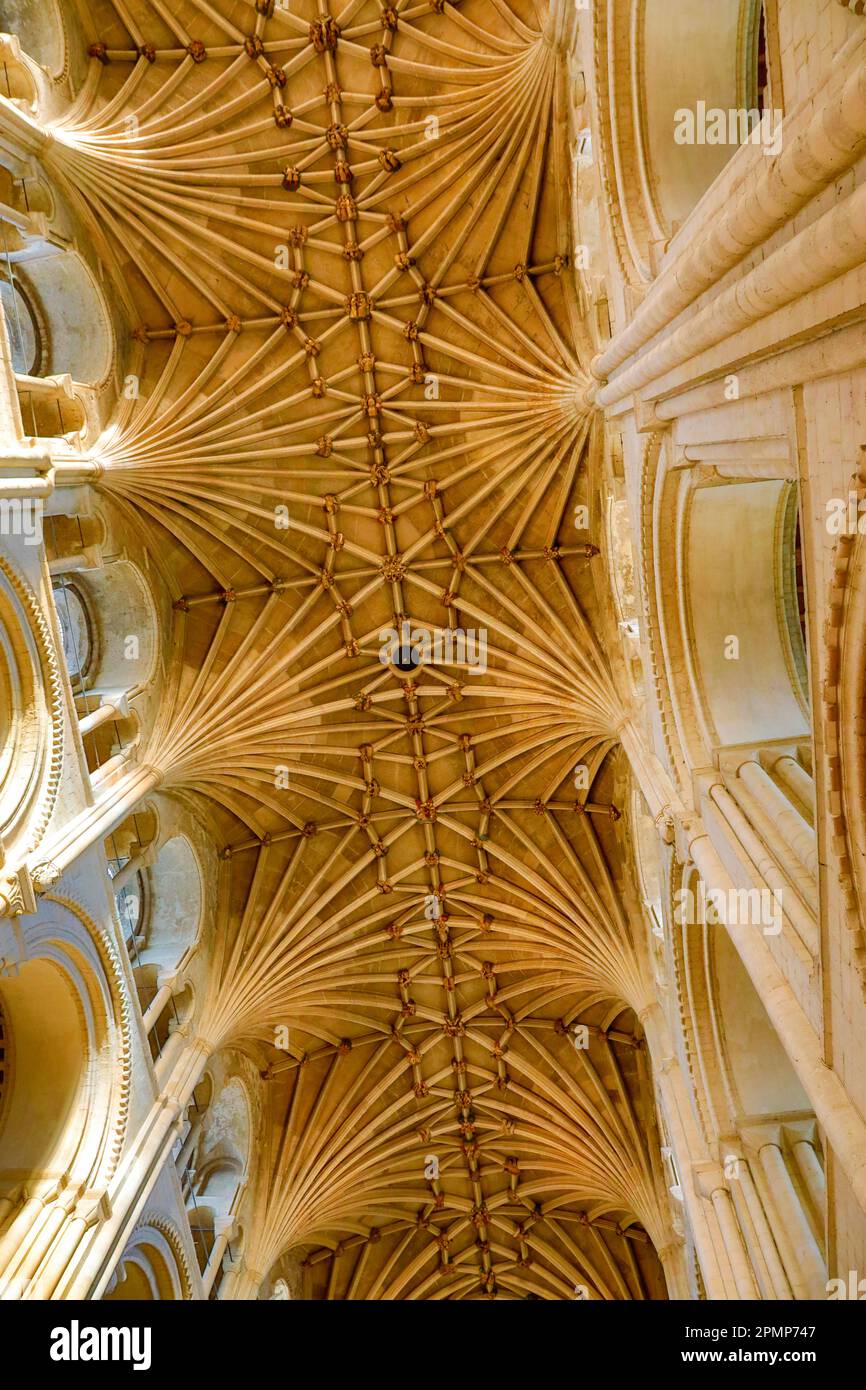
(757,1137)
(800,1131)
(646,417)
(709,1179)
(175,980)
(17,894)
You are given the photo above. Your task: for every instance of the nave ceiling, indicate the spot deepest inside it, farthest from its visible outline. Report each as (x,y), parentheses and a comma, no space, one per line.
(341,243)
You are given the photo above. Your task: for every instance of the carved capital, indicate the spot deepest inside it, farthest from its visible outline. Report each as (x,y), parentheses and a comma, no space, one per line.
(45,875)
(18,894)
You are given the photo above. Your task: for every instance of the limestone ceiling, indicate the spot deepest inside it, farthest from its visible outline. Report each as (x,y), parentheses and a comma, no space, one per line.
(341,240)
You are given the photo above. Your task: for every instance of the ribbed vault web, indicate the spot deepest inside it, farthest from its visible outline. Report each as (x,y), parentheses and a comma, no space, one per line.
(342,240)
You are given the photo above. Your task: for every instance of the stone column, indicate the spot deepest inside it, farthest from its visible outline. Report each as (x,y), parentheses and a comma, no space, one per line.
(15,1239)
(802,1258)
(139,1171)
(759,1237)
(835,1112)
(112,708)
(811,1172)
(167,985)
(712,1184)
(794,778)
(136,864)
(189,1142)
(763,867)
(224,1230)
(690,1152)
(173,1050)
(242,1283)
(672,1257)
(791,830)
(119,796)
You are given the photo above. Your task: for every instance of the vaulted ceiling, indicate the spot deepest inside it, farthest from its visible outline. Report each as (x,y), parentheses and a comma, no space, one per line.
(341,241)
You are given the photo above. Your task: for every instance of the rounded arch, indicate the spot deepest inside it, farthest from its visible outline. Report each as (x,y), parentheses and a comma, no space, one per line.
(759,1077)
(722,585)
(47,1050)
(749,665)
(214,1158)
(73,315)
(67,1054)
(214,1173)
(705,56)
(284,1281)
(226,1139)
(659,151)
(109,627)
(152,1267)
(24,327)
(32,700)
(175,903)
(739,1067)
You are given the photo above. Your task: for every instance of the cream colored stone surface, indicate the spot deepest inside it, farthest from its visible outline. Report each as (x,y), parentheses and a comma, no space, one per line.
(532,964)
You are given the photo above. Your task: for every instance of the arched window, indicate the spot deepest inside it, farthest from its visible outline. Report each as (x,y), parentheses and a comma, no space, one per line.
(130,899)
(129,850)
(213,1177)
(158,889)
(665,141)
(729,589)
(742,606)
(756,56)
(76,333)
(108,632)
(76,630)
(175,896)
(22,327)
(107,611)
